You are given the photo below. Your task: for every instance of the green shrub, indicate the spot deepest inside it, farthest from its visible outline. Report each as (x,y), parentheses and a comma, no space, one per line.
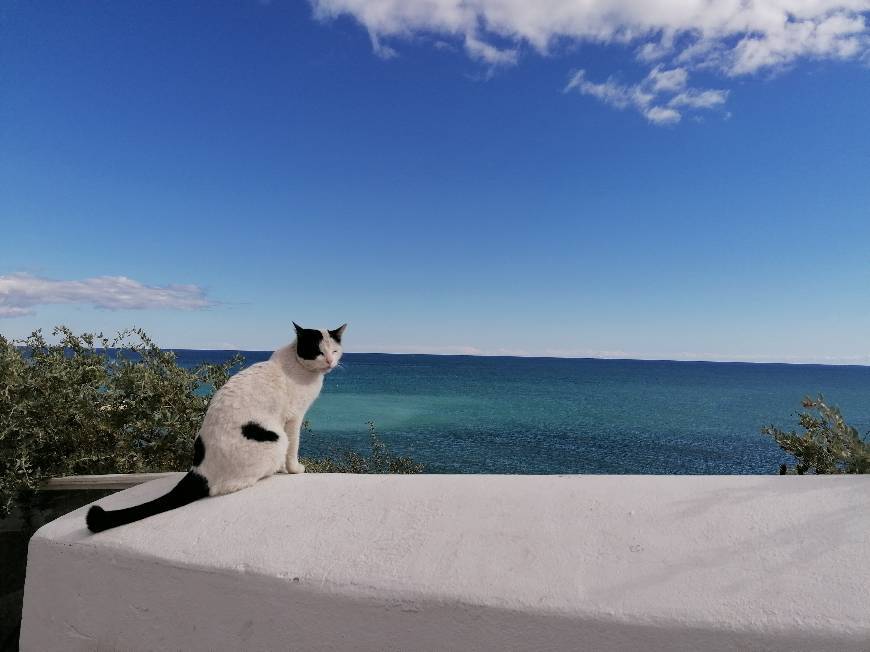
(90,405)
(379,460)
(826,445)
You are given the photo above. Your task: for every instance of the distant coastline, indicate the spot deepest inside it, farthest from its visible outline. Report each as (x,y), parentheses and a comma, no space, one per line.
(265,353)
(553,357)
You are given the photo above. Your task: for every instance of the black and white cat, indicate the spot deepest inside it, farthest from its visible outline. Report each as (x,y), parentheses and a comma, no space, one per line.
(251,428)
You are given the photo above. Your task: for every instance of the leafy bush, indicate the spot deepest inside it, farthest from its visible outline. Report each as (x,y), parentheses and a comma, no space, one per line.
(90,405)
(827,444)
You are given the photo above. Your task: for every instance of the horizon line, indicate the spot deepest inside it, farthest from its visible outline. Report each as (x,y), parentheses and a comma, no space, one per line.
(832,361)
(835,362)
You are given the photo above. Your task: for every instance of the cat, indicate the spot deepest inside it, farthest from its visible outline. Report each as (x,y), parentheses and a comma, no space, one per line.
(251,427)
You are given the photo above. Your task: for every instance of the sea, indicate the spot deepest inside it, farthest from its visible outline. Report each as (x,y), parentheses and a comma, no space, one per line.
(471,414)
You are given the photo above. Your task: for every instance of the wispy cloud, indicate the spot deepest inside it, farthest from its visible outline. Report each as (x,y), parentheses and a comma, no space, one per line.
(21,293)
(659,96)
(13,311)
(490,54)
(731,37)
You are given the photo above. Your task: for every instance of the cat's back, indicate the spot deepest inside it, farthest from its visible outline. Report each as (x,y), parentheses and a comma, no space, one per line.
(260,383)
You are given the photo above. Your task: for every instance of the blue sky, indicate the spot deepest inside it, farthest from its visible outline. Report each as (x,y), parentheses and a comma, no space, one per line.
(487,183)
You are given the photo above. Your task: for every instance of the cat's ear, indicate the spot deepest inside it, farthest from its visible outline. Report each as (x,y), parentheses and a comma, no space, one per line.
(298,328)
(337,333)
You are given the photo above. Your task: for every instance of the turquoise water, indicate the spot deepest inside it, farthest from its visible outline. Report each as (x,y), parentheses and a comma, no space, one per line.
(466,414)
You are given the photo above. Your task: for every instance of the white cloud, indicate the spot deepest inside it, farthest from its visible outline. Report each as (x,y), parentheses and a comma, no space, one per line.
(838,36)
(760,33)
(667,80)
(657,97)
(661,115)
(652,51)
(609,92)
(731,37)
(14,311)
(381,50)
(488,53)
(21,293)
(698,99)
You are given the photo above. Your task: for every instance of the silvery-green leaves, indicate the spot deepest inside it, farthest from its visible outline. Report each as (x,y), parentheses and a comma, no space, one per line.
(826,445)
(87,404)
(379,460)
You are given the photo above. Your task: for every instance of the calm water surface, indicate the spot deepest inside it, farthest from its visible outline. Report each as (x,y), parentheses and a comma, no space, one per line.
(466,414)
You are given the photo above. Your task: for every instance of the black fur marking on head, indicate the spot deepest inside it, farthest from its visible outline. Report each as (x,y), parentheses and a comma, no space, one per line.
(256,432)
(198,451)
(307,342)
(337,333)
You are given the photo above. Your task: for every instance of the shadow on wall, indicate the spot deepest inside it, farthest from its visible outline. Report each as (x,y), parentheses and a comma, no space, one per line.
(784,546)
(31,512)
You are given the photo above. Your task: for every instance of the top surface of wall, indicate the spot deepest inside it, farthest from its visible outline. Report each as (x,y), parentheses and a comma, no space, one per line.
(745,552)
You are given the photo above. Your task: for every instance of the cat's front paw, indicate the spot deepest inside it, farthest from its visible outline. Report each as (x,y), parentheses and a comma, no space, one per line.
(295,467)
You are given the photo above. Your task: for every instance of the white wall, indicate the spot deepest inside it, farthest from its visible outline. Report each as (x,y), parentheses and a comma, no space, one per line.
(466,562)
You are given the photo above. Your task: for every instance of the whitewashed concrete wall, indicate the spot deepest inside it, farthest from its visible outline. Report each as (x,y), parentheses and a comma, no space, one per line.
(333,562)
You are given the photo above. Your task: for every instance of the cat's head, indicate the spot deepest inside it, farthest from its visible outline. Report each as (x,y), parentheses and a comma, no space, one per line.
(318,350)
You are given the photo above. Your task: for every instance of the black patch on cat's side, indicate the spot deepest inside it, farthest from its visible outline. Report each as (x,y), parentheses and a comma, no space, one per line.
(308,342)
(256,432)
(198,451)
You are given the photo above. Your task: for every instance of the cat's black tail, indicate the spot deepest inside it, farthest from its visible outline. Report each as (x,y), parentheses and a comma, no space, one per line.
(191,487)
